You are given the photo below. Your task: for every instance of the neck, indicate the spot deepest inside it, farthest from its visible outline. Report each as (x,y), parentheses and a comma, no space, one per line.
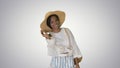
(56,30)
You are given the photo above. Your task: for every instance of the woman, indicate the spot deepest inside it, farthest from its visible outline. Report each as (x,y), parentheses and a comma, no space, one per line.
(61,43)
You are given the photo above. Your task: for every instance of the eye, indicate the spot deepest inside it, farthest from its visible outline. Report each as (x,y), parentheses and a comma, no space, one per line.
(51,22)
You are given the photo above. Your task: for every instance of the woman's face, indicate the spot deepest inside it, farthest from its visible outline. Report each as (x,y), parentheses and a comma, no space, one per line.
(54,23)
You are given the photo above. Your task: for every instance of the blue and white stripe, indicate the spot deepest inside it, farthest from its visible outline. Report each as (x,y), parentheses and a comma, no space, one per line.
(62,62)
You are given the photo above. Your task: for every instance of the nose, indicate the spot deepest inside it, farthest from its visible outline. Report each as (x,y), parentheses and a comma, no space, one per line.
(54,23)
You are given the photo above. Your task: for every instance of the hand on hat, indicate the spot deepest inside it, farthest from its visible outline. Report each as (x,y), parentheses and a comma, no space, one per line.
(46,34)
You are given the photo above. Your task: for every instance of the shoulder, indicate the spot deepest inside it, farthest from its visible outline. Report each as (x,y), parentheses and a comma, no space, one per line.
(65,28)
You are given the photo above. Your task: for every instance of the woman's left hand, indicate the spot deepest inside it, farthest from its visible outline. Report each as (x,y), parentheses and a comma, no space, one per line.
(77,66)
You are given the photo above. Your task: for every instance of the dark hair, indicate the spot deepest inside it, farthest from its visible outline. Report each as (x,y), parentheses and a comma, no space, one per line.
(49,20)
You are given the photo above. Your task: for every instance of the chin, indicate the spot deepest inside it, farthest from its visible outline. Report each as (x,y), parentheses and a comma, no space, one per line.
(55,27)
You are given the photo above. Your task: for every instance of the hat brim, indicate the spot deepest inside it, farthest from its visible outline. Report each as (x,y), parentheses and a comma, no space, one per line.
(61,16)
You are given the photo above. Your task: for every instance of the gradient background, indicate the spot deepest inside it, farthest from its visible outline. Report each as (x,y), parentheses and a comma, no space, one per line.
(95,25)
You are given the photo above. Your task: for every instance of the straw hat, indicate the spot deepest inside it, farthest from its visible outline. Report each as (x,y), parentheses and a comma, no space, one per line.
(61,16)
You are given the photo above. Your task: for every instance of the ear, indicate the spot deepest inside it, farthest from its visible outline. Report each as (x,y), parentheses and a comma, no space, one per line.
(58,23)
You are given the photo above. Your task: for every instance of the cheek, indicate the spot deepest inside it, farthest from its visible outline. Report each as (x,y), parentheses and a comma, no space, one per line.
(52,25)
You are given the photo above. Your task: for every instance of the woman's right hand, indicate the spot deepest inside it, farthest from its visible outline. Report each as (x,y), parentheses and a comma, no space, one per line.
(45,34)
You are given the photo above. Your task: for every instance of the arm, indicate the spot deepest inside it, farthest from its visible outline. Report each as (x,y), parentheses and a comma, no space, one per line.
(76,50)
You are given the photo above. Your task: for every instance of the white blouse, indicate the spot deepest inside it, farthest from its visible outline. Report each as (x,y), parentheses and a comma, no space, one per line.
(63,44)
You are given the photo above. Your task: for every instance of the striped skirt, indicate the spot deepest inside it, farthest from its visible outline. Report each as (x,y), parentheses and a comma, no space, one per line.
(62,62)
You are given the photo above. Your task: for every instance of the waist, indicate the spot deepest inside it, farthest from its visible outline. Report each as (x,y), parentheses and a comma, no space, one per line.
(64,55)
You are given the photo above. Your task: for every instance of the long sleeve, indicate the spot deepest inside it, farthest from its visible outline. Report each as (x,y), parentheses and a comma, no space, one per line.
(76,50)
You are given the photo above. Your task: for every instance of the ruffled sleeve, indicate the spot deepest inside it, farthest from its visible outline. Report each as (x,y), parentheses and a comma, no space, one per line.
(76,50)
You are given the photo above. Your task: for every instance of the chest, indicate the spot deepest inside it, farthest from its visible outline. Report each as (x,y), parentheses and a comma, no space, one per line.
(61,38)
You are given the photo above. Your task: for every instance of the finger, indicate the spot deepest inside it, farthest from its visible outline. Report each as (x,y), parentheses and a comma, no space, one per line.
(41,31)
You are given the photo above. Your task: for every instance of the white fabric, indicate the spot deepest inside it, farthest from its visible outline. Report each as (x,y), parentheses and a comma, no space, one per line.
(59,45)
